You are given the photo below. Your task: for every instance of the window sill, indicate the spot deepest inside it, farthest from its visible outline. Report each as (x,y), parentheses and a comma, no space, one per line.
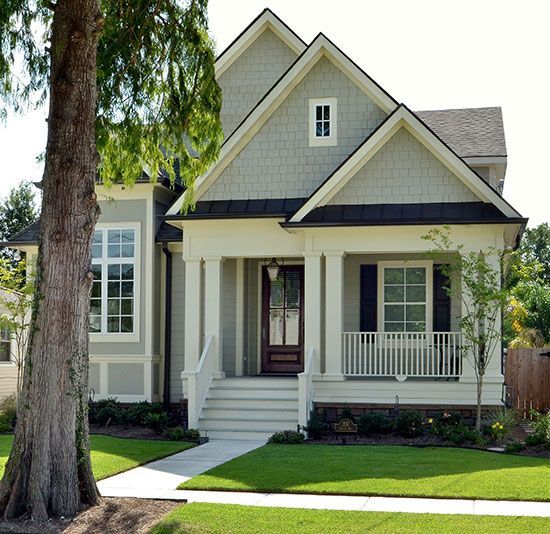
(114,338)
(322,141)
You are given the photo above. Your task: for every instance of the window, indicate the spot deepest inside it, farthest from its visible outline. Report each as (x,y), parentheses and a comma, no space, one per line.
(406,297)
(322,118)
(112,305)
(5,344)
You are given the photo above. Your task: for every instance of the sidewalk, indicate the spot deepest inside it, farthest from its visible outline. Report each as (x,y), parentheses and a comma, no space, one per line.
(159,479)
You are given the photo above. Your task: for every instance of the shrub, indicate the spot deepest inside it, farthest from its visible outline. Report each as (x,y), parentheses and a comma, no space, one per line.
(287,437)
(514,447)
(316,427)
(347,414)
(457,434)
(8,406)
(5,422)
(374,423)
(175,434)
(533,440)
(541,427)
(448,419)
(501,422)
(137,413)
(409,423)
(157,421)
(191,434)
(101,411)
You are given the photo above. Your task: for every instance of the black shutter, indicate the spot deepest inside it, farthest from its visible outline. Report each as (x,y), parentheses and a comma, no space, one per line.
(441,302)
(368,300)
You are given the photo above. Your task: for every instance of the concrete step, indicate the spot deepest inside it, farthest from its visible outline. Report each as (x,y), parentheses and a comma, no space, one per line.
(235,392)
(241,403)
(246,414)
(254,425)
(239,435)
(256,382)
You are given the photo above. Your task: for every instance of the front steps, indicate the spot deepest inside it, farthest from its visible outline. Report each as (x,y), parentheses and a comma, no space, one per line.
(249,407)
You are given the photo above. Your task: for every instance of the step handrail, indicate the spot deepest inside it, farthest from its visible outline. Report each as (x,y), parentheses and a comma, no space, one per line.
(305,389)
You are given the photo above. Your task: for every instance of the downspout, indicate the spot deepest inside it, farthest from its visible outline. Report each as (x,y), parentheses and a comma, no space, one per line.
(167,326)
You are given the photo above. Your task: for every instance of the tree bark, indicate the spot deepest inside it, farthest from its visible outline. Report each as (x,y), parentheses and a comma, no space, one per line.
(479,399)
(49,471)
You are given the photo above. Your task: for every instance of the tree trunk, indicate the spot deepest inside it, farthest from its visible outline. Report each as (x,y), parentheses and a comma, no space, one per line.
(479,399)
(49,471)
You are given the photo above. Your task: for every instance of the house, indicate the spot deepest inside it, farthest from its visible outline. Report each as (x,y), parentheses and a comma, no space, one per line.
(9,353)
(301,278)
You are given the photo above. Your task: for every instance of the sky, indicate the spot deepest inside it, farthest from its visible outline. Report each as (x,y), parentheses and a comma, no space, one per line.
(426,54)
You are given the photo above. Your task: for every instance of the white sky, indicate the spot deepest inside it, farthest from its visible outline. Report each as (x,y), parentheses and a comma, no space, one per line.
(429,54)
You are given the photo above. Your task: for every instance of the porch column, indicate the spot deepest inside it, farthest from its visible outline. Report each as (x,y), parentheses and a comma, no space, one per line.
(468,374)
(312,306)
(334,300)
(213,309)
(193,294)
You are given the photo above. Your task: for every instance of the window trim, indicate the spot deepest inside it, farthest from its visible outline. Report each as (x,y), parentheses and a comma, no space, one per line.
(10,341)
(123,337)
(332,139)
(382,265)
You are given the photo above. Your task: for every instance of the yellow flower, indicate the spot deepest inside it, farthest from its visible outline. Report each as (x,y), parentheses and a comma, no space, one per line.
(430,421)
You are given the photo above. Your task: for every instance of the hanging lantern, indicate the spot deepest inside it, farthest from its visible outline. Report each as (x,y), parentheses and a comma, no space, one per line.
(273,270)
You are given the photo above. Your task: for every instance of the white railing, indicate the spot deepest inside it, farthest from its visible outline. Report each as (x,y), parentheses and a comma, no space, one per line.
(305,389)
(198,383)
(402,354)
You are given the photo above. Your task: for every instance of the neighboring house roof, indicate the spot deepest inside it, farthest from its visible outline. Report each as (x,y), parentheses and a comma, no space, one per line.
(27,236)
(470,132)
(403,117)
(403,214)
(216,209)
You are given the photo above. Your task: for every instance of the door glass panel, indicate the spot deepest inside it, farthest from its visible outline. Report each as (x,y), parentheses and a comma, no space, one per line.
(276,327)
(292,327)
(276,292)
(292,289)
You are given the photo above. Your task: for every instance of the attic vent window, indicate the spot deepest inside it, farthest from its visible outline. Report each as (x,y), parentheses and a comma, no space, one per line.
(322,122)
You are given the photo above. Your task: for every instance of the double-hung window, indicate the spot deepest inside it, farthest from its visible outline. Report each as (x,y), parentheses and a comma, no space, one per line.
(113,299)
(5,344)
(322,122)
(405,297)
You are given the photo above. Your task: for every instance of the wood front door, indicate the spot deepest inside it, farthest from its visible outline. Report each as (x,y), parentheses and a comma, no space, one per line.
(283,321)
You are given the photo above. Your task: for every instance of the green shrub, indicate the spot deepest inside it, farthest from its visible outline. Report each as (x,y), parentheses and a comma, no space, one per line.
(157,421)
(448,419)
(347,414)
(457,434)
(8,406)
(409,423)
(373,423)
(137,413)
(6,423)
(191,434)
(533,440)
(175,434)
(541,427)
(501,423)
(316,427)
(101,411)
(514,447)
(287,437)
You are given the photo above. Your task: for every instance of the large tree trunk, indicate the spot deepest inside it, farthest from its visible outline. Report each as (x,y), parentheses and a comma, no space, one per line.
(49,471)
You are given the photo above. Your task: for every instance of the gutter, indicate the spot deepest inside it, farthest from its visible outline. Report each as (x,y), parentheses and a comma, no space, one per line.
(167,326)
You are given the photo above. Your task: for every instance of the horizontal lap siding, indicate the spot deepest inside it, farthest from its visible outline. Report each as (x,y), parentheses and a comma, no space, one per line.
(229,316)
(178,324)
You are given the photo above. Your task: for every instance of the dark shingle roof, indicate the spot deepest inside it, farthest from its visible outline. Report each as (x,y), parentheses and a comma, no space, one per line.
(27,236)
(402,214)
(168,233)
(469,132)
(267,207)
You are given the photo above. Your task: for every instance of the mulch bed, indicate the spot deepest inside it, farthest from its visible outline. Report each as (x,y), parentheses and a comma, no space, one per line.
(127,431)
(112,515)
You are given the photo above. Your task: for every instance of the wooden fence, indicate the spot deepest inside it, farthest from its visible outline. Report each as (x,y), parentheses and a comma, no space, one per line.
(527,378)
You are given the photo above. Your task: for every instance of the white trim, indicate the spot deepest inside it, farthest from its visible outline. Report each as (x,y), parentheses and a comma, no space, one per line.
(119,337)
(402,117)
(267,20)
(320,47)
(428,265)
(239,316)
(332,139)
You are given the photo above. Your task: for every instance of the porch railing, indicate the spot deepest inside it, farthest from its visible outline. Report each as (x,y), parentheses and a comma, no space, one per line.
(198,383)
(402,354)
(305,389)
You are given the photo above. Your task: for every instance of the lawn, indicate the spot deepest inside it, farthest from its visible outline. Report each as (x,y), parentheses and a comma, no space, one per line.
(225,518)
(113,455)
(381,470)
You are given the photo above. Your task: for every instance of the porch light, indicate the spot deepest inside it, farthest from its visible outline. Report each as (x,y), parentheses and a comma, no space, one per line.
(273,270)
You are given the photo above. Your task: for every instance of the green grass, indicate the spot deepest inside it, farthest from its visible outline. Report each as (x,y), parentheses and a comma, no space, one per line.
(381,470)
(113,455)
(224,518)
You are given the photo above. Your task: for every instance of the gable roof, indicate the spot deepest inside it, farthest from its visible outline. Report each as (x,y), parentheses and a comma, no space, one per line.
(403,117)
(320,47)
(470,132)
(266,19)
(27,236)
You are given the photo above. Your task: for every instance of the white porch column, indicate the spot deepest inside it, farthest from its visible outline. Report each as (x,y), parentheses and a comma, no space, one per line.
(239,317)
(312,307)
(334,323)
(468,370)
(213,310)
(193,294)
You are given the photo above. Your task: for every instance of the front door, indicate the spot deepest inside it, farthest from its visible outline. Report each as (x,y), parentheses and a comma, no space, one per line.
(283,321)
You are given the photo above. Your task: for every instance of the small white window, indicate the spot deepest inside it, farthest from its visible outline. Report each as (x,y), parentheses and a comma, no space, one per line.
(114,264)
(5,344)
(322,122)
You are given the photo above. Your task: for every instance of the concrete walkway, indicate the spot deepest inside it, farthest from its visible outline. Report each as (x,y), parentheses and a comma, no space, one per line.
(159,479)
(166,475)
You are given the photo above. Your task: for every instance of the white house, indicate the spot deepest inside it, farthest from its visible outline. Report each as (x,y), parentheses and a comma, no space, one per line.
(301,277)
